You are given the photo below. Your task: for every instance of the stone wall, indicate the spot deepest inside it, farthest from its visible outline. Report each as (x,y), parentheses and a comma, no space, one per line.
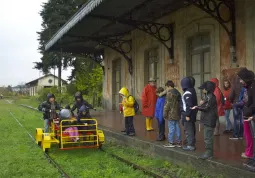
(188,21)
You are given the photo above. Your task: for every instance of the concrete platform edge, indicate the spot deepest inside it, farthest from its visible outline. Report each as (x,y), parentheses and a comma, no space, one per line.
(208,167)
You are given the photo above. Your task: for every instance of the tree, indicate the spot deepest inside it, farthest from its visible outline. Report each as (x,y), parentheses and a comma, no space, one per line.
(54,15)
(89,78)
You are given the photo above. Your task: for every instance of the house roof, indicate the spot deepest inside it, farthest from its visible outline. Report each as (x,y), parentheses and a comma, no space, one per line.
(82,32)
(33,81)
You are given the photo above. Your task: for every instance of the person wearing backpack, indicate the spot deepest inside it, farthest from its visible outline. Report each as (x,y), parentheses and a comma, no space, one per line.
(128,103)
(220,105)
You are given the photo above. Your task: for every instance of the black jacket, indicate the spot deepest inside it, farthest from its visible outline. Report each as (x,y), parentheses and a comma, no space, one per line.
(209,111)
(248,77)
(49,110)
(77,105)
(189,99)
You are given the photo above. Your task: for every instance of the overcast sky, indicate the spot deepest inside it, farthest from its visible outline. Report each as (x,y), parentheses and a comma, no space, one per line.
(19,22)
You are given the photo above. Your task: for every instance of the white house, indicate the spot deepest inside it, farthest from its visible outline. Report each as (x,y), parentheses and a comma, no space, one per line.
(46,81)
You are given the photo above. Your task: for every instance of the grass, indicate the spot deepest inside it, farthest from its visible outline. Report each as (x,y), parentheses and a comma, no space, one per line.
(20,157)
(156,165)
(77,163)
(18,149)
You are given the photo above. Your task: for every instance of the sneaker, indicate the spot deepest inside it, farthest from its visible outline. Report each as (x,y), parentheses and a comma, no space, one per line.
(123,131)
(161,139)
(131,134)
(243,155)
(233,138)
(178,144)
(240,138)
(189,148)
(169,145)
(205,156)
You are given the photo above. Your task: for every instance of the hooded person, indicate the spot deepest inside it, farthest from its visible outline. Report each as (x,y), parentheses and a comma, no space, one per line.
(79,101)
(247,80)
(149,99)
(220,105)
(189,100)
(193,83)
(209,116)
(128,103)
(49,108)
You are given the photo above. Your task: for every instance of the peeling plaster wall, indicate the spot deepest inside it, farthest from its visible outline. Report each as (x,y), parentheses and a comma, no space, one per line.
(188,21)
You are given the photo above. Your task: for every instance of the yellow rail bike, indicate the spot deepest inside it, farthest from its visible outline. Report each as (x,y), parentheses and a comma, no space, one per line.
(70,135)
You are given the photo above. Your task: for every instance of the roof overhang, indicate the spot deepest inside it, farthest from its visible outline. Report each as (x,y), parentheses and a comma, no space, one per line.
(84,31)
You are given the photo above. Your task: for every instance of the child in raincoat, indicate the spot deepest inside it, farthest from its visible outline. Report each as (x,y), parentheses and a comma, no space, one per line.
(128,102)
(159,113)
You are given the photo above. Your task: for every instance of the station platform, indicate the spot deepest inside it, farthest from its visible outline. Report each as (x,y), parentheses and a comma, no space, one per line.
(227,159)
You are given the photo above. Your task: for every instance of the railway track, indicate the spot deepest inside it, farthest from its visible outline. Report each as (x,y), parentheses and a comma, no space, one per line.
(127,162)
(47,156)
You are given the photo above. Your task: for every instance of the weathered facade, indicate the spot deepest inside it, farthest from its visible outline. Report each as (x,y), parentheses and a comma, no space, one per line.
(208,38)
(201,48)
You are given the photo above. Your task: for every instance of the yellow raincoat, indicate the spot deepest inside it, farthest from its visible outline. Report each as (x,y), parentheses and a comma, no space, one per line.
(127,103)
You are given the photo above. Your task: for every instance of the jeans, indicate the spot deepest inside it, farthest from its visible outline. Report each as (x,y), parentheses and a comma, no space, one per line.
(228,122)
(174,130)
(129,125)
(161,128)
(238,122)
(46,125)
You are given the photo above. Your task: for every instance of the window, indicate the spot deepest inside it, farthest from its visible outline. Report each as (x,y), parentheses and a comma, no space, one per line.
(151,64)
(199,59)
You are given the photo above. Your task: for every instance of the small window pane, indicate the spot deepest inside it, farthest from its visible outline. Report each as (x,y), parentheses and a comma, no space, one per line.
(207,65)
(196,65)
(207,77)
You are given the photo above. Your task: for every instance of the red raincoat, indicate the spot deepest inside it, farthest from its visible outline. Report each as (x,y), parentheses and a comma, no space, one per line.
(149,99)
(218,94)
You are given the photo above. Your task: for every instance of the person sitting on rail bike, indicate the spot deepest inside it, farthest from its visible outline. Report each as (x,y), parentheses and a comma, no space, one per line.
(79,102)
(72,131)
(49,108)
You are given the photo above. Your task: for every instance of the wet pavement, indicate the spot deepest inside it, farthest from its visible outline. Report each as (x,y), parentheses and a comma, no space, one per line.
(226,151)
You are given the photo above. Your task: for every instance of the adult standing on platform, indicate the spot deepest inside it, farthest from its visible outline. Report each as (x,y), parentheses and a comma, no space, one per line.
(149,99)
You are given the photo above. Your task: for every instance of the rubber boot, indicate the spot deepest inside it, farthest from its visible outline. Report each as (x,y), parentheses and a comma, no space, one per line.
(147,124)
(150,125)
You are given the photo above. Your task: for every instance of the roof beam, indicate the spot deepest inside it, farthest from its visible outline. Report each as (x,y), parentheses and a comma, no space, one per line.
(215,8)
(164,33)
(118,44)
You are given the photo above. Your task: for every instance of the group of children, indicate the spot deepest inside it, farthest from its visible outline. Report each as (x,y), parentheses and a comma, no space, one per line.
(172,107)
(50,107)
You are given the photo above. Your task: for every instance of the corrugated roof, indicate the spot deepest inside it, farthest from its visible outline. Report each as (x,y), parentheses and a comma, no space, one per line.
(86,9)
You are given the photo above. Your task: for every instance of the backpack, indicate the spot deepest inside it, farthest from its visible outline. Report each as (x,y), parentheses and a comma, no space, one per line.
(136,105)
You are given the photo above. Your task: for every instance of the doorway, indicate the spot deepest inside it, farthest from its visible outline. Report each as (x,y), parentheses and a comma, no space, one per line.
(116,83)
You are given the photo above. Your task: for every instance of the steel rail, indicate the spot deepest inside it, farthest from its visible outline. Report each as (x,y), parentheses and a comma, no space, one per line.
(51,161)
